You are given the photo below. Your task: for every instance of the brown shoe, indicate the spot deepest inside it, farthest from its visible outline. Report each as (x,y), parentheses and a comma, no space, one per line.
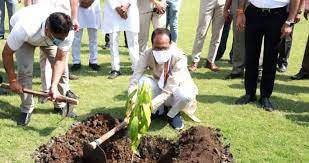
(212,66)
(193,66)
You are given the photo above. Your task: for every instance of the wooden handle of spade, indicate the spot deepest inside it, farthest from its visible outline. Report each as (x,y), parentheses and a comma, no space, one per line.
(111,132)
(43,94)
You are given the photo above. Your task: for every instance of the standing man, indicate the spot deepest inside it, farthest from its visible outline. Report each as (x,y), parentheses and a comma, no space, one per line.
(172,84)
(38,26)
(90,19)
(268,19)
(150,11)
(304,71)
(121,15)
(11,6)
(211,11)
(172,13)
(238,58)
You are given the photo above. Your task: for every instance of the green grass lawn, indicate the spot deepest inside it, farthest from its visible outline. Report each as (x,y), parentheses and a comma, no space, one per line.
(254,135)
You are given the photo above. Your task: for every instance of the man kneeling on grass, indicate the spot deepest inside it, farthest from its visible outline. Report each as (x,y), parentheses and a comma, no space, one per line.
(35,26)
(172,84)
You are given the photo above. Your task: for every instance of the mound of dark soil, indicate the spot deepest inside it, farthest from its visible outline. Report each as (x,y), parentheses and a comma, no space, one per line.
(197,144)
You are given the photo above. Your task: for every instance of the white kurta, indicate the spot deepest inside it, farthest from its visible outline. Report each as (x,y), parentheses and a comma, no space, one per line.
(112,22)
(90,17)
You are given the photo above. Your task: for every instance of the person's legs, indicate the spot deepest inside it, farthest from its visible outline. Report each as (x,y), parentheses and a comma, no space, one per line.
(172,18)
(25,60)
(217,26)
(2,17)
(132,40)
(253,41)
(114,39)
(12,8)
(76,47)
(238,59)
(46,71)
(272,28)
(223,41)
(205,17)
(63,85)
(93,44)
(145,18)
(284,53)
(304,71)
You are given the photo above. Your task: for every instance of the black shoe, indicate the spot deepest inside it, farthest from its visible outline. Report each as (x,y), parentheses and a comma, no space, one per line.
(282,68)
(73,77)
(106,46)
(71,94)
(300,75)
(94,66)
(234,76)
(76,67)
(245,99)
(66,111)
(266,104)
(1,37)
(24,119)
(114,74)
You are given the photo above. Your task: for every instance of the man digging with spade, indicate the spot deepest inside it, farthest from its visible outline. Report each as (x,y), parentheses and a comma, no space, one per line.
(36,26)
(172,84)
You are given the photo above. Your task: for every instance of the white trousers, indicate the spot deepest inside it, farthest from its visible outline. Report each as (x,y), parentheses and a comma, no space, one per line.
(180,99)
(132,40)
(93,46)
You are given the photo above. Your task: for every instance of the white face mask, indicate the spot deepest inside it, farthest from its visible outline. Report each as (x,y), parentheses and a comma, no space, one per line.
(161,56)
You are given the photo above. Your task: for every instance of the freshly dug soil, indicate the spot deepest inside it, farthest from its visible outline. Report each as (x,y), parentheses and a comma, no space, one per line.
(197,144)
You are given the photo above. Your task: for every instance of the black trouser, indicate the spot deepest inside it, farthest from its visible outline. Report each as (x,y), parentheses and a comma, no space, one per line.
(285,49)
(223,41)
(261,23)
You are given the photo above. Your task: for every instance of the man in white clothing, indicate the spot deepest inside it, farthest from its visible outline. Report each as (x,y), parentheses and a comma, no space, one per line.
(172,84)
(89,18)
(121,15)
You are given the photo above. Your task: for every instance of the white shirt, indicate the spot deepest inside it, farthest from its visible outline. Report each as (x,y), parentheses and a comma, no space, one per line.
(29,27)
(59,5)
(112,22)
(90,17)
(270,3)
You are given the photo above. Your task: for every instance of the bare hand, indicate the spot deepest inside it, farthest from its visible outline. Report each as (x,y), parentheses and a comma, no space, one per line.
(226,14)
(121,13)
(306,12)
(241,22)
(16,87)
(285,30)
(75,25)
(161,7)
(297,18)
(54,93)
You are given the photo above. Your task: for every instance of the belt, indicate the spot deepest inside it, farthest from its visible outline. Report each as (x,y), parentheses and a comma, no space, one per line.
(268,10)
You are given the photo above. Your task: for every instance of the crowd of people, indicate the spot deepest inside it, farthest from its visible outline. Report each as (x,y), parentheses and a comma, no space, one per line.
(262,40)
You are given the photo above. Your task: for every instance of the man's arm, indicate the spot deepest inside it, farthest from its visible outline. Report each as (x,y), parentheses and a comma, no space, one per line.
(286,29)
(299,11)
(226,10)
(241,18)
(8,62)
(58,69)
(74,9)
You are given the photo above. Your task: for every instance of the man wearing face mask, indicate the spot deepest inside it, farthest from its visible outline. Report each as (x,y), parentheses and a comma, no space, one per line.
(36,26)
(171,81)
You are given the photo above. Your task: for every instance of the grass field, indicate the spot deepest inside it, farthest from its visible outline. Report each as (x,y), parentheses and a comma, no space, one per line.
(254,135)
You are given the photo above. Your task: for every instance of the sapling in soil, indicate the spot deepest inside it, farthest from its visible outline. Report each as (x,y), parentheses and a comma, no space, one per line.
(139,104)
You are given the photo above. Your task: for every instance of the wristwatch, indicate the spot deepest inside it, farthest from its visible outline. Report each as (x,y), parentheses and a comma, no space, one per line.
(289,23)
